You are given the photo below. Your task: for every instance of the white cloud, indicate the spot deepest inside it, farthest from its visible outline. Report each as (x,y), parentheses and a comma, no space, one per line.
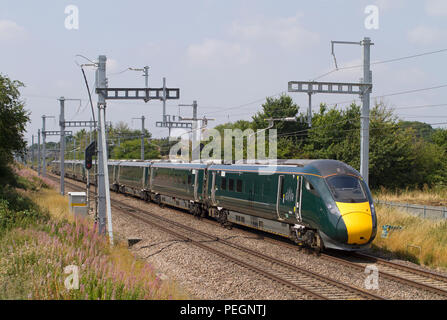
(285,32)
(246,41)
(424,35)
(11,31)
(437,8)
(212,52)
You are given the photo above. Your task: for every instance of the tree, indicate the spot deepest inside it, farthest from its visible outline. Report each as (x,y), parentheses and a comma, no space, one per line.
(423,130)
(402,154)
(439,137)
(282,107)
(13,119)
(398,157)
(131,149)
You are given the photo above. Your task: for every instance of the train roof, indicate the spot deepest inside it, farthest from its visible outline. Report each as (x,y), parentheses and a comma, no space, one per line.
(319,167)
(132,163)
(186,165)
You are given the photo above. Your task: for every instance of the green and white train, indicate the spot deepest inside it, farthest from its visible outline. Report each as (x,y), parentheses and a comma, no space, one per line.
(316,203)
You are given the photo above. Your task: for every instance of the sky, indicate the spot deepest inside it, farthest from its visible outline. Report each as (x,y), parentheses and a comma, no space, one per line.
(227,55)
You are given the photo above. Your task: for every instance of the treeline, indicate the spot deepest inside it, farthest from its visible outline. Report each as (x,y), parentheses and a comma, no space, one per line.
(122,143)
(13,119)
(402,154)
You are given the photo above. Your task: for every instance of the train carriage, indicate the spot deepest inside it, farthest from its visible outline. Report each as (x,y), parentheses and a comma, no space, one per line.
(69,168)
(131,177)
(79,171)
(113,173)
(316,202)
(179,184)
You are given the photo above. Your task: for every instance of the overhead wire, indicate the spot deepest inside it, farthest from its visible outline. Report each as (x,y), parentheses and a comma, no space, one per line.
(381,62)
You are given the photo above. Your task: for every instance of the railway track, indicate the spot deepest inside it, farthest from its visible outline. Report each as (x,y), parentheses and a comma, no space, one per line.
(298,281)
(411,276)
(422,279)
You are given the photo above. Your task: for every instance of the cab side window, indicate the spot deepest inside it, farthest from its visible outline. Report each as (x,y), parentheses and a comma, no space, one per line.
(309,187)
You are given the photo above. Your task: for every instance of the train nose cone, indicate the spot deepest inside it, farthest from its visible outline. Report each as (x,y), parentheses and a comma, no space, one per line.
(357,220)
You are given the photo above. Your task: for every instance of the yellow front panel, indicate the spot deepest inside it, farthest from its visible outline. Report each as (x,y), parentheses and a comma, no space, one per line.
(358,221)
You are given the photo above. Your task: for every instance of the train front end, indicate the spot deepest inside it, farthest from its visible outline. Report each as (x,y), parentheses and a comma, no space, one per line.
(357,224)
(352,220)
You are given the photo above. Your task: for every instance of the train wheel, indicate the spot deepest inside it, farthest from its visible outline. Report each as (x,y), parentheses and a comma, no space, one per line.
(318,245)
(157,199)
(222,219)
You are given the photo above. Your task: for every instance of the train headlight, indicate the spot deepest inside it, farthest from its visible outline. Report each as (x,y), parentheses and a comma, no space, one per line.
(373,209)
(333,209)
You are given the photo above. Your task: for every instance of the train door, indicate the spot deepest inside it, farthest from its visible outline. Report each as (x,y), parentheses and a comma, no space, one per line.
(196,183)
(213,188)
(309,208)
(250,183)
(151,178)
(298,198)
(286,196)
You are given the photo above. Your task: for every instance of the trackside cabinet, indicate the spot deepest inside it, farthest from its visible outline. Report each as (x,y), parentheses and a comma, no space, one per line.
(78,203)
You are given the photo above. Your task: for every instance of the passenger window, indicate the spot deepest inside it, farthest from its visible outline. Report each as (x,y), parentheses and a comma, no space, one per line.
(189,179)
(231,185)
(239,185)
(223,184)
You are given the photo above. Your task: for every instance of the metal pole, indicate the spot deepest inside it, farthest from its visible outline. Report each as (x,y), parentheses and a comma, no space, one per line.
(195,145)
(103,181)
(146,76)
(74,148)
(91,133)
(102,118)
(164,104)
(62,143)
(38,152)
(309,111)
(44,141)
(364,126)
(86,142)
(142,137)
(32,151)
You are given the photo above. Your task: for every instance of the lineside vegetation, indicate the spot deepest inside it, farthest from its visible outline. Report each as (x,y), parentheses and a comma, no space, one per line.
(421,241)
(39,238)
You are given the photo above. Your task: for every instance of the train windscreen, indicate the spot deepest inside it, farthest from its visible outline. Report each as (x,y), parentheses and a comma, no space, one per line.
(346,189)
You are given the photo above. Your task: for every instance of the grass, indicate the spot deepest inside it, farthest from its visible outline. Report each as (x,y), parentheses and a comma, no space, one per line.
(420,240)
(436,196)
(39,238)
